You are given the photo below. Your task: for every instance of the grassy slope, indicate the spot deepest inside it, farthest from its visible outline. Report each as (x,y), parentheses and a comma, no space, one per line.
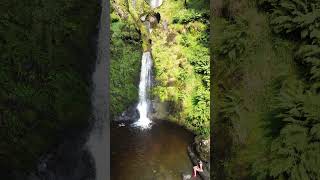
(264,60)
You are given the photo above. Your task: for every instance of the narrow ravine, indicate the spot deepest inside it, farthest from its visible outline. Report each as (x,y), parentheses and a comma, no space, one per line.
(99,138)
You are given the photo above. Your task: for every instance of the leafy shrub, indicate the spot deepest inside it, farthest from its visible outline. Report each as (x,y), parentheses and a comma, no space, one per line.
(199,117)
(187,16)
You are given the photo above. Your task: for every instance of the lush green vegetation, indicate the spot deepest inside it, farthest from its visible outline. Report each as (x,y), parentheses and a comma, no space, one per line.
(47,56)
(266,56)
(126,53)
(181,63)
(129,40)
(180,54)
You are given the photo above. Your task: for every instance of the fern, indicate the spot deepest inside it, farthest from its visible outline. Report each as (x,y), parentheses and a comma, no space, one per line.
(309,55)
(230,106)
(298,16)
(295,151)
(230,110)
(232,43)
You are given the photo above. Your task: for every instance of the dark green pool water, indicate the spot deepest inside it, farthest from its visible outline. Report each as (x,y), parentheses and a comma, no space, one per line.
(159,152)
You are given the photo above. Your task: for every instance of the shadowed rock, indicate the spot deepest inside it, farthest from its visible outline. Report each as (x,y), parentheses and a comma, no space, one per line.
(130,115)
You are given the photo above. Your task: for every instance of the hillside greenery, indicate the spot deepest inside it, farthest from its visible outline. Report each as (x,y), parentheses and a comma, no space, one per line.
(266,56)
(181,63)
(180,54)
(47,56)
(126,53)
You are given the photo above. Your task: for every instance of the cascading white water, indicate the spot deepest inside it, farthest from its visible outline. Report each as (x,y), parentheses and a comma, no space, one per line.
(155,3)
(145,79)
(99,137)
(144,87)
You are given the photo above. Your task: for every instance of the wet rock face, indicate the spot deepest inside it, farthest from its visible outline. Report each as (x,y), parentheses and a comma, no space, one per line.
(171,82)
(154,19)
(160,110)
(203,148)
(165,25)
(130,115)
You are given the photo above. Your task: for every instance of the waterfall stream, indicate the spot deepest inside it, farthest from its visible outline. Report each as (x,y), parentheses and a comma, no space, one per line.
(99,137)
(145,80)
(144,87)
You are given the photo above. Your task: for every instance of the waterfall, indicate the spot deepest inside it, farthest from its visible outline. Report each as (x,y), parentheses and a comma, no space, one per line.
(99,137)
(145,79)
(144,87)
